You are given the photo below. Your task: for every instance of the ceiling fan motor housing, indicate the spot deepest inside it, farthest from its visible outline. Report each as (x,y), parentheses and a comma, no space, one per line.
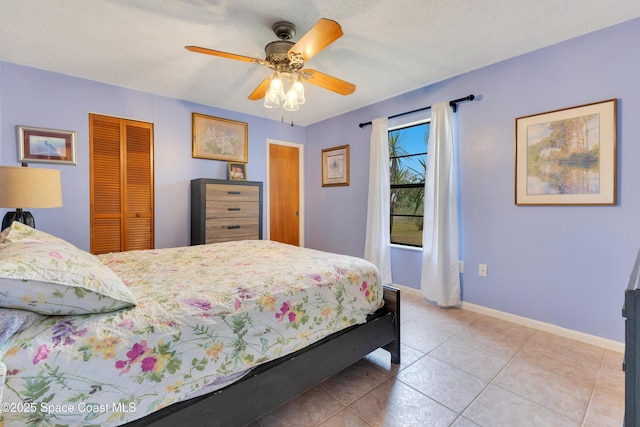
(277,52)
(284,30)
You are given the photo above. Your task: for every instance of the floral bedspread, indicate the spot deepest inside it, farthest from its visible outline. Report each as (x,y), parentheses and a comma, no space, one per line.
(204,313)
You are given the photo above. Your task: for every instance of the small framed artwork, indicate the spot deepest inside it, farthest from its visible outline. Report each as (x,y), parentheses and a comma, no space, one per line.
(335,166)
(567,157)
(39,145)
(219,139)
(237,171)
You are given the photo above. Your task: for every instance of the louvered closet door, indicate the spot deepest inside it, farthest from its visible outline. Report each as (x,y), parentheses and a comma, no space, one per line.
(121,184)
(106,184)
(138,186)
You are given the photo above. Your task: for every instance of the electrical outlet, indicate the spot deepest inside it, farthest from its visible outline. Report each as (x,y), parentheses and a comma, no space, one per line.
(482,270)
(461,266)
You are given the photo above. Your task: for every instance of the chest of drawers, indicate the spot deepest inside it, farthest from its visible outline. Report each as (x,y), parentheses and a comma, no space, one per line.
(224,210)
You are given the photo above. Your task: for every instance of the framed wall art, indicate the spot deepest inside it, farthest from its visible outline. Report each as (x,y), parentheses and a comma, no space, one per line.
(567,157)
(219,139)
(40,145)
(335,166)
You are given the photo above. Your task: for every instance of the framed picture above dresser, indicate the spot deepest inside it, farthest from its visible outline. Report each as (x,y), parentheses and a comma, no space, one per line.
(225,210)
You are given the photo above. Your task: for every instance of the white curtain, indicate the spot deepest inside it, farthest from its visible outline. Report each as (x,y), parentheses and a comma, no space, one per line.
(377,247)
(440,278)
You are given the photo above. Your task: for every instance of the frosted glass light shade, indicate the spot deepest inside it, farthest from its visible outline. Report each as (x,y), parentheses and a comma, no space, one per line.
(291,101)
(299,89)
(277,87)
(271,99)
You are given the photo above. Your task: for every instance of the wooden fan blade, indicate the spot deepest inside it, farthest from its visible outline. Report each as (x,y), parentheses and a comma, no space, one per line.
(206,51)
(329,82)
(261,90)
(317,38)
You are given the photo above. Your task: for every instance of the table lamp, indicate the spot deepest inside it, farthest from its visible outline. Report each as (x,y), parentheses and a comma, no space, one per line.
(23,187)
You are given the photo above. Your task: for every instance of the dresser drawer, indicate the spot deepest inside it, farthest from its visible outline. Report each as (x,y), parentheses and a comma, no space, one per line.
(226,229)
(216,209)
(227,192)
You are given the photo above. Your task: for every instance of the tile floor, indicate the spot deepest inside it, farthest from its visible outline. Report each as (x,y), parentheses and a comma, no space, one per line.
(461,368)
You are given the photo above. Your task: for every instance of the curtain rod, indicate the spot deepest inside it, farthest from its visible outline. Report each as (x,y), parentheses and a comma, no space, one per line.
(453,104)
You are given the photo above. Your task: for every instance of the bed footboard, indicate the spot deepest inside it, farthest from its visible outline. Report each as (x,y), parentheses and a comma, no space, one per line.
(392,304)
(631,360)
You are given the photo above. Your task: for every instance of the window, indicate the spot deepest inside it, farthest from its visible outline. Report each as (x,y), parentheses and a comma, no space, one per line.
(407,166)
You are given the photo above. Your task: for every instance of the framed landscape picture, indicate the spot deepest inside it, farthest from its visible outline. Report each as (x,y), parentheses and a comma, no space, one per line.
(219,139)
(39,145)
(567,157)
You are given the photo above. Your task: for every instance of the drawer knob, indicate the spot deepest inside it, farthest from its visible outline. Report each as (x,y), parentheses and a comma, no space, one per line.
(231,227)
(233,192)
(233,209)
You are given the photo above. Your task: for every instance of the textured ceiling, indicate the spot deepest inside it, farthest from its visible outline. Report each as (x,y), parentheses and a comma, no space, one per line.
(389,46)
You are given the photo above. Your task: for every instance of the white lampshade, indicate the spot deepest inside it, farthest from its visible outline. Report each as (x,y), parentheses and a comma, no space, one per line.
(23,188)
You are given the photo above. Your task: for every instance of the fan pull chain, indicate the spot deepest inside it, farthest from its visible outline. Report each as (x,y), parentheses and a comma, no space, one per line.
(282,119)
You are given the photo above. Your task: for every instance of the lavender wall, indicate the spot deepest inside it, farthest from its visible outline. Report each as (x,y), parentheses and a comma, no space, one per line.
(566,266)
(32,97)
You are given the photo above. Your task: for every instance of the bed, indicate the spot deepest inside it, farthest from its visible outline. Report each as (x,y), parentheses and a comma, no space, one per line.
(631,360)
(213,334)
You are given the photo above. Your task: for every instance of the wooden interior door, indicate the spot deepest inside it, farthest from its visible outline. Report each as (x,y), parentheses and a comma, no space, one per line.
(121,184)
(284,194)
(105,184)
(138,212)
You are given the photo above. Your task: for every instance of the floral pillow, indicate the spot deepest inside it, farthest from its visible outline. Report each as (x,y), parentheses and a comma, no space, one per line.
(18,231)
(56,278)
(14,321)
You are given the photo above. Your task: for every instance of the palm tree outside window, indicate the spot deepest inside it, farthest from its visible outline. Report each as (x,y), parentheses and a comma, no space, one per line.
(407,166)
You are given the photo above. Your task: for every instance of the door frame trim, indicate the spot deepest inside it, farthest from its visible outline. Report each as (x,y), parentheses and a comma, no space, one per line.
(267,190)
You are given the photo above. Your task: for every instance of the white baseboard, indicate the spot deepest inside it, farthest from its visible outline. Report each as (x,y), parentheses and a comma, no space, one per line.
(534,324)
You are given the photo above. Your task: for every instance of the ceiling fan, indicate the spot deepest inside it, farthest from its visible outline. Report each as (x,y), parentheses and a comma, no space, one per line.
(287,60)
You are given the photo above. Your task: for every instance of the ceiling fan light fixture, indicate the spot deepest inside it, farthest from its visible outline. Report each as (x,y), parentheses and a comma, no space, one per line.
(298,88)
(287,59)
(277,87)
(291,101)
(271,99)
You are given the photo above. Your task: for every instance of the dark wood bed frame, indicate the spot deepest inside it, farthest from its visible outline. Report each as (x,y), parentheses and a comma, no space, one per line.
(272,384)
(631,360)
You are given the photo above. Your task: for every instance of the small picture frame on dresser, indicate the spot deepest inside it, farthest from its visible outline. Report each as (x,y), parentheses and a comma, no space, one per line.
(237,171)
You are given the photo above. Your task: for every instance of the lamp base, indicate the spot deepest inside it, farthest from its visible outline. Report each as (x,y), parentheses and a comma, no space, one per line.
(19,215)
